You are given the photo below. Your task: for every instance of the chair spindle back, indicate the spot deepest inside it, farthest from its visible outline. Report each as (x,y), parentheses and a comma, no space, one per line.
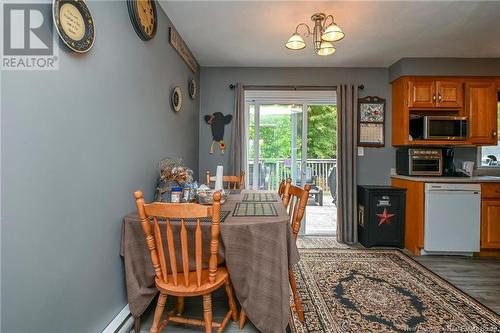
(154,237)
(295,200)
(229,182)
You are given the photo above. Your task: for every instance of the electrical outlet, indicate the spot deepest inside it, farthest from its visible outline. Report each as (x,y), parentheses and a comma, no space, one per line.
(361,151)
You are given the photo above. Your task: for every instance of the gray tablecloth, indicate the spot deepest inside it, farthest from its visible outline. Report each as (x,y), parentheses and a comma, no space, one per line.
(257,252)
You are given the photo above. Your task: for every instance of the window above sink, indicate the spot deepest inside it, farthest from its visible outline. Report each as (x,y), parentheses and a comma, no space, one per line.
(489,156)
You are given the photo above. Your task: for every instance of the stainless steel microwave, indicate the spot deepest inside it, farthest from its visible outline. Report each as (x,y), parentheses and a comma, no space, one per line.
(439,128)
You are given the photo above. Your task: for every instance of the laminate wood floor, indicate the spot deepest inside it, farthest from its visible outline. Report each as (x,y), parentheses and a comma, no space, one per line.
(477,277)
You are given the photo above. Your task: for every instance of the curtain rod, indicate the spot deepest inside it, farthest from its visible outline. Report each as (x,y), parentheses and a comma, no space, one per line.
(251,87)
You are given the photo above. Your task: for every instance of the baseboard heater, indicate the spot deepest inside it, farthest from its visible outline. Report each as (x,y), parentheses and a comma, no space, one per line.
(122,323)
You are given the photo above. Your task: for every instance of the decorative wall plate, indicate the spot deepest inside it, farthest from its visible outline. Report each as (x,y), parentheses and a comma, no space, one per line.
(176,99)
(144,17)
(192,88)
(74,24)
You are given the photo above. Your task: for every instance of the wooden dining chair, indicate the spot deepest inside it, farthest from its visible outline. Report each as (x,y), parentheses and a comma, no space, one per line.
(229,182)
(295,200)
(283,186)
(200,282)
(283,191)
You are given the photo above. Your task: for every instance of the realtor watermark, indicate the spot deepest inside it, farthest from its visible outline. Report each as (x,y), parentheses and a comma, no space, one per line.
(28,37)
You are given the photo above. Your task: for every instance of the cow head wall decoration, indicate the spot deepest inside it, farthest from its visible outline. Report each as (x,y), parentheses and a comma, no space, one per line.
(217,122)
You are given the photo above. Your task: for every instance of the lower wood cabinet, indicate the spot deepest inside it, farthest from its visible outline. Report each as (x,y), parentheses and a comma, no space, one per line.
(415,207)
(490,224)
(490,216)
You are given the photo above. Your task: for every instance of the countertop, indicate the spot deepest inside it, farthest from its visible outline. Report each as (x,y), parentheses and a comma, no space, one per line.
(430,179)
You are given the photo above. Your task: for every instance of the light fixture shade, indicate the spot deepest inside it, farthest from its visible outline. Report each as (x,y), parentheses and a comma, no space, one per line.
(332,33)
(325,48)
(295,42)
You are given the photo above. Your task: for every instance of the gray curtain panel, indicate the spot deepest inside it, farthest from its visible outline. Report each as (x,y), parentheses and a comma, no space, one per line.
(347,139)
(238,145)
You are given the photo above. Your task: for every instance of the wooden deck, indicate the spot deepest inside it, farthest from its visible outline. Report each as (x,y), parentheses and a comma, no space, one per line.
(321,220)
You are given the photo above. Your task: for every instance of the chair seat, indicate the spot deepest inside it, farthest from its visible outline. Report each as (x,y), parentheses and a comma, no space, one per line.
(192,289)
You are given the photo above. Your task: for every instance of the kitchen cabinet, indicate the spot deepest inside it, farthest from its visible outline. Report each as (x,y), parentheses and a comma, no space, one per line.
(490,216)
(471,97)
(481,108)
(414,212)
(415,215)
(435,94)
(449,94)
(422,93)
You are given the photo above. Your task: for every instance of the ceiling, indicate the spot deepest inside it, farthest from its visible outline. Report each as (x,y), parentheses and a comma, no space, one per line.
(253,33)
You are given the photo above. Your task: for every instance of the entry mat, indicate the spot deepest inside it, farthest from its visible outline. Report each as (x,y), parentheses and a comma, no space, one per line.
(255,209)
(234,191)
(223,215)
(259,197)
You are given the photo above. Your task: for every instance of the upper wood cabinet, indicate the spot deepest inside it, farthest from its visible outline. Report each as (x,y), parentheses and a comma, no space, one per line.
(481,108)
(450,94)
(422,93)
(435,94)
(471,97)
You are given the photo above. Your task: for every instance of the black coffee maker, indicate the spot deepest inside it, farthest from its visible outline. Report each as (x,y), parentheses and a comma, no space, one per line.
(449,162)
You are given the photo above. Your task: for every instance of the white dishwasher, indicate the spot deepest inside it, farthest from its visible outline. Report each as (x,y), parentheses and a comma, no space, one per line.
(452,218)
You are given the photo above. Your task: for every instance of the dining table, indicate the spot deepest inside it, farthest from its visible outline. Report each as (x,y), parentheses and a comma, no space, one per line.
(257,247)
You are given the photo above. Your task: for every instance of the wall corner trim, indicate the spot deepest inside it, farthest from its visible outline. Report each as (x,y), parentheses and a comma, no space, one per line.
(122,323)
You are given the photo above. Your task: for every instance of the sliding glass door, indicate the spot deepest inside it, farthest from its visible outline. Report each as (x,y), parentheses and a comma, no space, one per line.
(295,136)
(275,144)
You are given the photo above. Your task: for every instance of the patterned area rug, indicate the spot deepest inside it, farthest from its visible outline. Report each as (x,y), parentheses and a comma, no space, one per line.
(351,290)
(319,242)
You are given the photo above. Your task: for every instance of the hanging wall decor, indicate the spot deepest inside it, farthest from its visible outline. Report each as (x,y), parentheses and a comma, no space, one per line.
(144,17)
(74,24)
(176,99)
(192,88)
(218,122)
(178,44)
(371,121)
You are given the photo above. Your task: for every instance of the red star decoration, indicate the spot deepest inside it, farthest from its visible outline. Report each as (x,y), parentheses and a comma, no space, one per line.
(385,218)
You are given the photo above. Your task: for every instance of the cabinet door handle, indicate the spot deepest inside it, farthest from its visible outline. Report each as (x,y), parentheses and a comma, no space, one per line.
(440,98)
(494,133)
(434,98)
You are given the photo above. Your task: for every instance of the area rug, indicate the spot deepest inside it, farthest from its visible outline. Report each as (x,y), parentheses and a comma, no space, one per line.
(353,290)
(319,242)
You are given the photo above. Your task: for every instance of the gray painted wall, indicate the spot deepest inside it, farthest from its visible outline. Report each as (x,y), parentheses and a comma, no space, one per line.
(445,66)
(75,144)
(373,168)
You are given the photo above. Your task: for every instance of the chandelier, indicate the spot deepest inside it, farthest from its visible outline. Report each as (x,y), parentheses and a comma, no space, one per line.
(324,35)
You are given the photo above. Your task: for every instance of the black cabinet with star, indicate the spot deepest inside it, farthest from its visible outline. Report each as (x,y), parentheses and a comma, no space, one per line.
(144,17)
(381,215)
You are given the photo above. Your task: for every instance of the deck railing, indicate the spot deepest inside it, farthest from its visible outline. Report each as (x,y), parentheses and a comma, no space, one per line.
(271,172)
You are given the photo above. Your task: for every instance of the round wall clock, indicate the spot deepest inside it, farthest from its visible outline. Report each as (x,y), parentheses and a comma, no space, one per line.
(74,24)
(192,89)
(144,17)
(176,99)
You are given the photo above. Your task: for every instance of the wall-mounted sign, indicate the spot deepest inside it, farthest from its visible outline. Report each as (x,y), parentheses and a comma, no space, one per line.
(178,44)
(144,17)
(74,24)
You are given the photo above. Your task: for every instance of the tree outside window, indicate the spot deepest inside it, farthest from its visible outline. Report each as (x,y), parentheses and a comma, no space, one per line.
(490,155)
